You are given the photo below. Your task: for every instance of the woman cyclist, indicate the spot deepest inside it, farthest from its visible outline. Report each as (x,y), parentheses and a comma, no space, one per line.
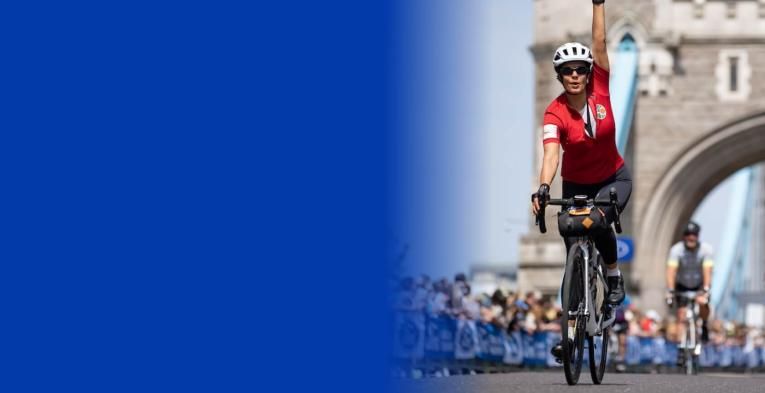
(581,121)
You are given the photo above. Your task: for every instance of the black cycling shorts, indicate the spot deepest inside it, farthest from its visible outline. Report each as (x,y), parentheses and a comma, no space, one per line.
(622,181)
(682,301)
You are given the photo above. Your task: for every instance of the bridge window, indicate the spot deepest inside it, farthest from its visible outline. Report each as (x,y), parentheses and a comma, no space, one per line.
(698,8)
(733,75)
(731,10)
(733,65)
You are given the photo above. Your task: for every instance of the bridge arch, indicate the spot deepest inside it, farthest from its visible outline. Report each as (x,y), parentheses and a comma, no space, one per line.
(695,172)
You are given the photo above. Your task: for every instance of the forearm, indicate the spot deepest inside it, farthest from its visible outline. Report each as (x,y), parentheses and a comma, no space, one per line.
(707,277)
(549,168)
(598,26)
(671,272)
(599,48)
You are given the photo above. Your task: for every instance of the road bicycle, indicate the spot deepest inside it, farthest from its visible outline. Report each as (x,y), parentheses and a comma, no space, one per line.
(586,314)
(692,348)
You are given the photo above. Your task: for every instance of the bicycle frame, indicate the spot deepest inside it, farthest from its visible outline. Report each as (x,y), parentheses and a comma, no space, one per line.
(690,321)
(596,325)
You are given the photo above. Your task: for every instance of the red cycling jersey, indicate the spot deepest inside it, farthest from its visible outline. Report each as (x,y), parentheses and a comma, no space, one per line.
(586,159)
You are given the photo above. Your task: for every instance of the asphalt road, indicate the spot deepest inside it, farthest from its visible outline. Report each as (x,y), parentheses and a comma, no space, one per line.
(544,382)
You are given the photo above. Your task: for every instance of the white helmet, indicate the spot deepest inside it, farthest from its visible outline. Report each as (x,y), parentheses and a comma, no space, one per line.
(572,51)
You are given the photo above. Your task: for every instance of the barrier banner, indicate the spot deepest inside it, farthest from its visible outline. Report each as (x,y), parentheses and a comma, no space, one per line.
(739,360)
(632,356)
(708,356)
(670,353)
(646,350)
(752,358)
(467,340)
(659,347)
(550,340)
(725,356)
(534,346)
(410,335)
(586,355)
(491,342)
(513,349)
(417,336)
(440,338)
(598,345)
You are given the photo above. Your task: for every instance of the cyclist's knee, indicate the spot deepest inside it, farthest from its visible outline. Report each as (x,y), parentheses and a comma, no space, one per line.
(606,244)
(568,241)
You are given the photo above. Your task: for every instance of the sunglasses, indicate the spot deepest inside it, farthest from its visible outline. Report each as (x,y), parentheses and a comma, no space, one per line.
(581,70)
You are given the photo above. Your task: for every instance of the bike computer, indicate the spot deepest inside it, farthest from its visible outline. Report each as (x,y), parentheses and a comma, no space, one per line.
(580,200)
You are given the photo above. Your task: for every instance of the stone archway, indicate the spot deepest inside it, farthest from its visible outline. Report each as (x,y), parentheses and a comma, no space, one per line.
(681,189)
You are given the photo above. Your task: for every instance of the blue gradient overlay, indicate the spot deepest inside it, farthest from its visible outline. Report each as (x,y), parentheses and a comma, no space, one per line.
(462,161)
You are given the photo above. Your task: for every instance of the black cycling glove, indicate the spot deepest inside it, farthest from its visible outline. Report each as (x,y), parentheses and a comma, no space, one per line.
(543,194)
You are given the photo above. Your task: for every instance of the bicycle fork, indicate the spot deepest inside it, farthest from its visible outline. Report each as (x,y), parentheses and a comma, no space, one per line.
(593,326)
(690,330)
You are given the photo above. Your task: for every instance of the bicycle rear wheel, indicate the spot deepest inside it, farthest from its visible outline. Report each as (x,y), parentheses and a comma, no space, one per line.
(572,299)
(598,355)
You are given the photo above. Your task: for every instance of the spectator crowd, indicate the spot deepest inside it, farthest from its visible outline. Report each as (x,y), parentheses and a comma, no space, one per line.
(531,312)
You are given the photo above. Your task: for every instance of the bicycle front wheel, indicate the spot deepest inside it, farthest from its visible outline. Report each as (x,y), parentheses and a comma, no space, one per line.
(573,320)
(598,356)
(691,360)
(598,349)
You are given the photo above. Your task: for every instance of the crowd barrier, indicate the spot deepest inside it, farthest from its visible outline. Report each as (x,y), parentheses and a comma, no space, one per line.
(422,337)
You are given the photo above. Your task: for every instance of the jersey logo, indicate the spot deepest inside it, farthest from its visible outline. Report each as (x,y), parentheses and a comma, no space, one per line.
(601,111)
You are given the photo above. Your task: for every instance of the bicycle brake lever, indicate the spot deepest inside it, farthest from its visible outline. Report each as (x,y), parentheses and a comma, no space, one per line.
(615,203)
(541,221)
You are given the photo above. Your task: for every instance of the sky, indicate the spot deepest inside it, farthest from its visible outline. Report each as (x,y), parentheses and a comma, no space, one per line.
(465,82)
(464,154)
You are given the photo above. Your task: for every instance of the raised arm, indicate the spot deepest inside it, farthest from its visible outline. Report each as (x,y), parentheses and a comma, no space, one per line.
(599,48)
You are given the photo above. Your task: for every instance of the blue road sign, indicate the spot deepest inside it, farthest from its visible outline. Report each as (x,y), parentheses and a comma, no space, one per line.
(624,249)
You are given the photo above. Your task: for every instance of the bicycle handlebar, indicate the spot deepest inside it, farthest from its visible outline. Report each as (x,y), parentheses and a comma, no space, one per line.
(612,201)
(688,295)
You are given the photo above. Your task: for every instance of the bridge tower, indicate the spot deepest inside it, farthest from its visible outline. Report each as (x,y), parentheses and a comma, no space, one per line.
(699,116)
